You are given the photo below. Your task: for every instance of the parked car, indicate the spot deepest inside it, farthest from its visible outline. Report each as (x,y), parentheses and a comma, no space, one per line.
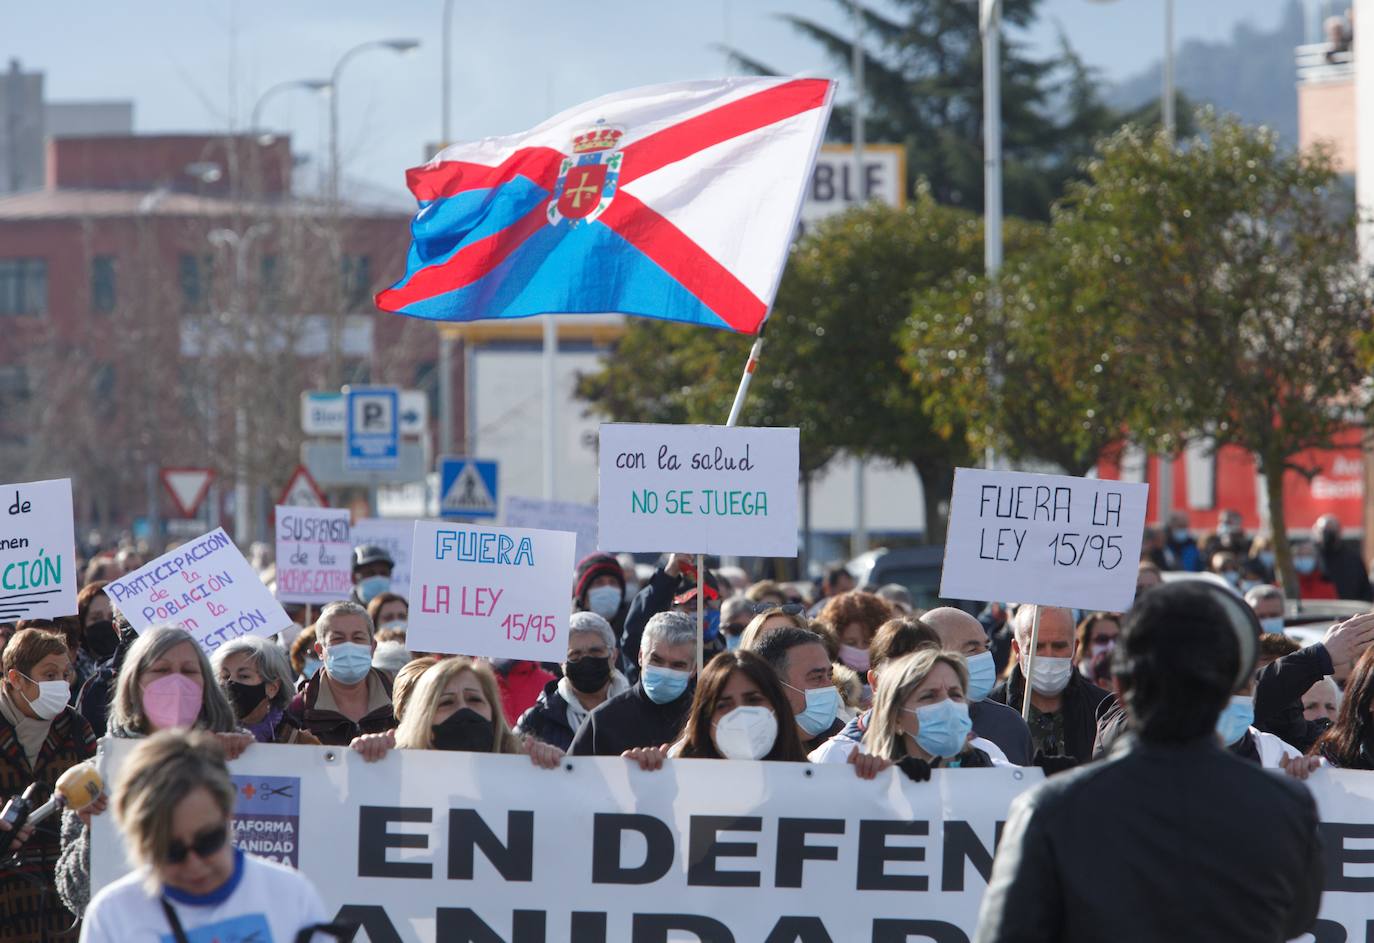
(916,568)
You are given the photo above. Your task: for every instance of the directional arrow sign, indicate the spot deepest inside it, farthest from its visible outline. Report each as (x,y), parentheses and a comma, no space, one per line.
(323,413)
(188,487)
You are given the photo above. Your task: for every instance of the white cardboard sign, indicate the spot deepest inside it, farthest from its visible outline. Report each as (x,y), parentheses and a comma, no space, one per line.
(699,489)
(579,519)
(394,534)
(314,554)
(206,587)
(501,592)
(37,551)
(1047,539)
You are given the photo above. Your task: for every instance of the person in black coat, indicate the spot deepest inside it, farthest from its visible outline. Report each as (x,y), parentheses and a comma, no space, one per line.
(1211,846)
(1063,719)
(652,712)
(589,680)
(1342,566)
(673,586)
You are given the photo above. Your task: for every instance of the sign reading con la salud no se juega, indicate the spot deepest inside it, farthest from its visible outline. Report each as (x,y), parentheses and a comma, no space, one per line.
(501,592)
(204,586)
(37,551)
(1047,539)
(698,489)
(314,554)
(439,846)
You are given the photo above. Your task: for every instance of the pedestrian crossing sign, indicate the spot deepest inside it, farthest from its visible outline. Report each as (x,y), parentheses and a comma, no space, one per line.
(467,489)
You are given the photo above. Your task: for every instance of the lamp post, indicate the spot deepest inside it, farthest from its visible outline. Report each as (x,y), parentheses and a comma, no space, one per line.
(312,85)
(990,28)
(1166,104)
(395,45)
(239,244)
(445,339)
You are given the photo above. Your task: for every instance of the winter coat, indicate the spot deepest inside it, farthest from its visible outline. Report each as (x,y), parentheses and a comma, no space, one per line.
(520,684)
(27,909)
(631,720)
(547,720)
(1079,710)
(332,728)
(1214,848)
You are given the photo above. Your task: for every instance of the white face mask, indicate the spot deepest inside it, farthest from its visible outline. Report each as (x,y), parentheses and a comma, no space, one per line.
(52,697)
(1050,675)
(746,733)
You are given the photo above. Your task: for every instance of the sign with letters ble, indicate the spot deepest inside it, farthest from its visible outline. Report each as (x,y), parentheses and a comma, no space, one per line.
(493,591)
(1047,539)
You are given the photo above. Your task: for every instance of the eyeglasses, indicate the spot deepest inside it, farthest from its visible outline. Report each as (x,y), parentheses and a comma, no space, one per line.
(204,844)
(787,609)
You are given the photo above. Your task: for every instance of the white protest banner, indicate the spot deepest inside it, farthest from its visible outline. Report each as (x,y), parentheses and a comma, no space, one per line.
(1047,539)
(395,536)
(502,592)
(37,551)
(1345,805)
(579,519)
(314,554)
(699,489)
(206,587)
(432,846)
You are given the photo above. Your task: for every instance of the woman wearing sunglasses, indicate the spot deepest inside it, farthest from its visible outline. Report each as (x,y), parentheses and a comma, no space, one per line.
(175,805)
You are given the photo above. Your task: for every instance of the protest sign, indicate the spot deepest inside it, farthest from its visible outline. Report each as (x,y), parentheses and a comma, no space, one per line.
(314,554)
(579,519)
(206,587)
(430,845)
(37,551)
(494,591)
(698,489)
(1047,539)
(395,536)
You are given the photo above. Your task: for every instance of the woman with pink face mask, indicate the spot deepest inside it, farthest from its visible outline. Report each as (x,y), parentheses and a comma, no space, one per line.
(165,683)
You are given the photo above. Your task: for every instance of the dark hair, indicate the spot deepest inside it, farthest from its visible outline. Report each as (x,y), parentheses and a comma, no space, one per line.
(834,571)
(1345,742)
(86,597)
(1085,630)
(1178,660)
(374,607)
(696,732)
(898,637)
(1274,645)
(775,647)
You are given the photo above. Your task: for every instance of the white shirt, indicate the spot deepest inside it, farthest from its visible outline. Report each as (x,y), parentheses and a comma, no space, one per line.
(265,902)
(838,748)
(1272,749)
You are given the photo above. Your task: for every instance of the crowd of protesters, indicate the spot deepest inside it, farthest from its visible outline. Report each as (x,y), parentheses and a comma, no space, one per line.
(830,672)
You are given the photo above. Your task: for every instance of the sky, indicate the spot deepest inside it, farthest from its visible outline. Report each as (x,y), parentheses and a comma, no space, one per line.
(200,66)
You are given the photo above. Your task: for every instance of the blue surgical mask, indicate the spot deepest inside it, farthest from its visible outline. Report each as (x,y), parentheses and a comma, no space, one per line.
(1247,585)
(710,624)
(821,706)
(732,641)
(944,727)
(1235,718)
(1272,625)
(373,586)
(311,666)
(1179,535)
(348,662)
(664,685)
(1267,558)
(1305,565)
(982,675)
(604,601)
(1231,576)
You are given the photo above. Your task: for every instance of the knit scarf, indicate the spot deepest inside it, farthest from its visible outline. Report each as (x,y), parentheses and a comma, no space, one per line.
(31,731)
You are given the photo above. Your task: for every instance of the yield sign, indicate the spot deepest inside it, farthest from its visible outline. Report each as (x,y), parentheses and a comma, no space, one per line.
(187,486)
(302,491)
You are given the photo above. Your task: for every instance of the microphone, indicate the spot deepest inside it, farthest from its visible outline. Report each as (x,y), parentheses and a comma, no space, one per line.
(76,788)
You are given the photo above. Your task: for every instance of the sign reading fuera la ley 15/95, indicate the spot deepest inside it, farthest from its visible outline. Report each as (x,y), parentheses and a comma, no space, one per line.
(698,489)
(1047,539)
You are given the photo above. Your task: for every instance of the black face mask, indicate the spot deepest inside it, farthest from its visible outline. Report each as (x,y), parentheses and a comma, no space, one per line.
(101,639)
(588,675)
(465,730)
(245,697)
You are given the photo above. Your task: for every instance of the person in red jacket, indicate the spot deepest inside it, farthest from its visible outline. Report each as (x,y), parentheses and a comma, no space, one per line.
(521,683)
(1312,582)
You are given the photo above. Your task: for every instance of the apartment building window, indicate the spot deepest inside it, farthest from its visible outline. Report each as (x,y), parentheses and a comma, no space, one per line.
(23,286)
(355,280)
(194,274)
(103,284)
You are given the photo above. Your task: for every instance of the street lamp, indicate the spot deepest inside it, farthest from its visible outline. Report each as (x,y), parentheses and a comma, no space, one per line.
(1166,105)
(255,122)
(395,45)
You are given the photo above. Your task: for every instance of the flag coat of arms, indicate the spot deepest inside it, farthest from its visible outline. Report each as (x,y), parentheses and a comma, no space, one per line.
(670,201)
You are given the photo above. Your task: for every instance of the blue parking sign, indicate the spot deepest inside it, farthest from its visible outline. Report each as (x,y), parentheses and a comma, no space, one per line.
(373,430)
(467,488)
